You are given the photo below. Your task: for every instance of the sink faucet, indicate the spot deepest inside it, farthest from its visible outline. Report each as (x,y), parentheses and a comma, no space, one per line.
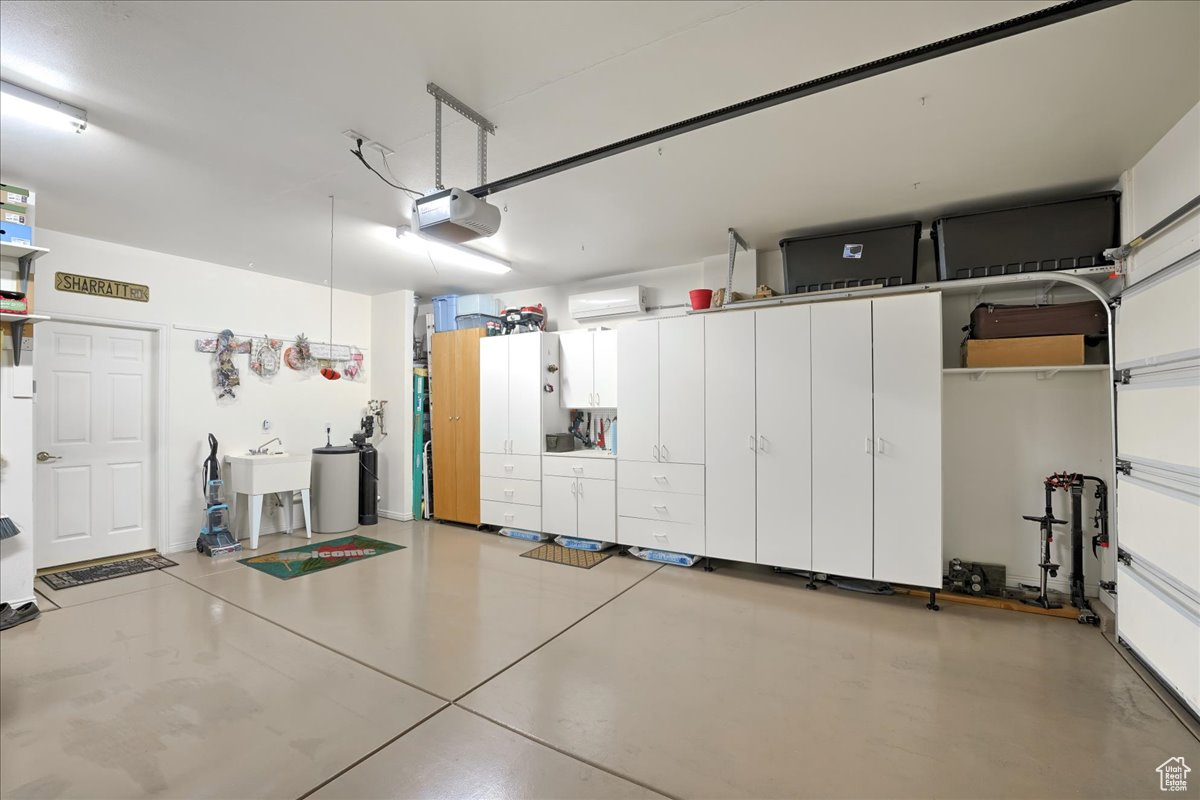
(261,450)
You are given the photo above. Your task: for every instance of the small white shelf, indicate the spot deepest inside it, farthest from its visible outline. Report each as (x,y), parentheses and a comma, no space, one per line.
(18,251)
(1042,373)
(29,318)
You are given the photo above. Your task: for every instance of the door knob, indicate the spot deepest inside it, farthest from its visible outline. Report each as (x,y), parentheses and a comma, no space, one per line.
(43,457)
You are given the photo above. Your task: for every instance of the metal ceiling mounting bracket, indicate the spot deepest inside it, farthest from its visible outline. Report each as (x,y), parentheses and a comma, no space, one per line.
(481,122)
(735,239)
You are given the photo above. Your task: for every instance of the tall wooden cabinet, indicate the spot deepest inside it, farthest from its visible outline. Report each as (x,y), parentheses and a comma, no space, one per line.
(454,413)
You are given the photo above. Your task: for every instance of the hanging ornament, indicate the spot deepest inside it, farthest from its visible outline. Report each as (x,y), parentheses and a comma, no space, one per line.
(225,376)
(264,357)
(328,372)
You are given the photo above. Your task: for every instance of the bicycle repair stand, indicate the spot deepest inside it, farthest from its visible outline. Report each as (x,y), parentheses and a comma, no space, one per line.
(1048,568)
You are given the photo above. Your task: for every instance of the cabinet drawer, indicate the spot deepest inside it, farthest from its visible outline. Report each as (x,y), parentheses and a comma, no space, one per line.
(677,537)
(655,477)
(510,490)
(511,515)
(661,506)
(522,468)
(603,468)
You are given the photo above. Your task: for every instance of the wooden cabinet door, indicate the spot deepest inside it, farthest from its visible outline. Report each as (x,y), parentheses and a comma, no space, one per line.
(680,390)
(442,409)
(908,439)
(729,437)
(842,439)
(466,424)
(783,403)
(637,368)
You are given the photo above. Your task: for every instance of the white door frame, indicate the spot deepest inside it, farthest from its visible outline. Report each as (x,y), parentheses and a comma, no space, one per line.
(160,408)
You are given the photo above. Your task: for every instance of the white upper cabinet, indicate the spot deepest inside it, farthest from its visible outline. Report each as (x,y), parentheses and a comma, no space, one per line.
(604,368)
(510,393)
(588,360)
(637,371)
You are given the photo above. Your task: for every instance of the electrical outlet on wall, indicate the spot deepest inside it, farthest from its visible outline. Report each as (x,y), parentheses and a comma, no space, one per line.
(266,425)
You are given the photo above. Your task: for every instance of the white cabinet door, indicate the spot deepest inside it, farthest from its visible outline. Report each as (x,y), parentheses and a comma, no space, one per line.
(525,394)
(729,437)
(784,412)
(842,439)
(604,368)
(637,371)
(493,394)
(559,505)
(575,369)
(680,390)
(908,439)
(597,509)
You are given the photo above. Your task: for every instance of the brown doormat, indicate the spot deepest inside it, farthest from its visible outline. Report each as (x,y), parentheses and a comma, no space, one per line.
(557,554)
(104,572)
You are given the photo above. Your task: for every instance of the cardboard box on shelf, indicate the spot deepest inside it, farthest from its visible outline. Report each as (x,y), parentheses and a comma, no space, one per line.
(16,234)
(1027,351)
(15,195)
(10,212)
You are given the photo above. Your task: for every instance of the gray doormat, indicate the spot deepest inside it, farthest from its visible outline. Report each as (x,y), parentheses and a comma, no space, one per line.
(557,554)
(104,572)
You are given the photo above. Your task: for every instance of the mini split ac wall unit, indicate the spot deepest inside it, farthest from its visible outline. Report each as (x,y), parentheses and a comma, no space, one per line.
(609,303)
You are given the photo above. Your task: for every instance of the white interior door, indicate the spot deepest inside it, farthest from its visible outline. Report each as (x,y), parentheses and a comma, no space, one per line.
(637,370)
(784,412)
(575,368)
(559,505)
(681,389)
(597,509)
(525,394)
(908,439)
(493,394)
(1158,498)
(729,437)
(94,421)
(842,439)
(604,368)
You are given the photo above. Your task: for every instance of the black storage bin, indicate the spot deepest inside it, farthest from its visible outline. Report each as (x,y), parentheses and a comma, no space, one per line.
(1067,234)
(872,257)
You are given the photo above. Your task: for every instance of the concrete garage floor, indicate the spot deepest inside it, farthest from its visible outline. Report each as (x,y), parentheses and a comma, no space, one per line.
(456,669)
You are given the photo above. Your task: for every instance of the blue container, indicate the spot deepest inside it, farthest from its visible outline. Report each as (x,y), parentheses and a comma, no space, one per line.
(16,234)
(445,309)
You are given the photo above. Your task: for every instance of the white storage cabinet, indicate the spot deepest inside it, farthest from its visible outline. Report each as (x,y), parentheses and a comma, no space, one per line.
(588,363)
(579,496)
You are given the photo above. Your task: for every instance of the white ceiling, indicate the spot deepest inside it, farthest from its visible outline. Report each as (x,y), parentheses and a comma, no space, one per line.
(215,127)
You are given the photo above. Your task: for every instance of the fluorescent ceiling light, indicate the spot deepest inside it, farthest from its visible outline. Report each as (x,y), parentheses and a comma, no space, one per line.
(452,253)
(39,108)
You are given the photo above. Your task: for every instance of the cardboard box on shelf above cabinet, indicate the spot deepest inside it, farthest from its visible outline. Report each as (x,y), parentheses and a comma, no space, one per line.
(1025,351)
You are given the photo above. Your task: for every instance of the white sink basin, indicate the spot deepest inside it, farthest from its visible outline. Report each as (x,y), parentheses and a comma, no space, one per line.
(265,474)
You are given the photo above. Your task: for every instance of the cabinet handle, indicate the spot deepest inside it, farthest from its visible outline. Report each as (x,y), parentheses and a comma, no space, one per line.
(597,398)
(666,456)
(574,487)
(508,517)
(656,458)
(658,535)
(762,443)
(508,467)
(659,507)
(752,441)
(879,445)
(660,478)
(869,445)
(508,492)
(577,470)
(580,485)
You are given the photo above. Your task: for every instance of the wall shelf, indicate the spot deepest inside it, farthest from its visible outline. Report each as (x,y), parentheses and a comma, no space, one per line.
(16,326)
(1042,373)
(19,251)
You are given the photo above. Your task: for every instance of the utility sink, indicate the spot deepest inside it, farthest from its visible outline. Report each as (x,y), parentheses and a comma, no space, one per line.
(267,473)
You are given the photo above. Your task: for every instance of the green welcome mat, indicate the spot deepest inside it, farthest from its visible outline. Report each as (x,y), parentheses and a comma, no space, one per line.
(297,561)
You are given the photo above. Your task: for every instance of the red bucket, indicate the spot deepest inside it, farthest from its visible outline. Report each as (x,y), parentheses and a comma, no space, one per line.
(701,298)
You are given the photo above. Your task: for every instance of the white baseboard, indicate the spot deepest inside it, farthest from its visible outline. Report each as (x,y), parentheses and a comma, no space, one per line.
(399,516)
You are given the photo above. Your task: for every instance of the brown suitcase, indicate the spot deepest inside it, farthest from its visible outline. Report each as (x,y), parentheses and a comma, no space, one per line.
(993,321)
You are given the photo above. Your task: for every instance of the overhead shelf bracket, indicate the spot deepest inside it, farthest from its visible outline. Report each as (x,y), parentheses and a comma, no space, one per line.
(482,123)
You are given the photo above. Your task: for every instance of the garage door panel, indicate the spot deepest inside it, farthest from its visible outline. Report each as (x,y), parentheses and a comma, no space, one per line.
(1162,527)
(1160,424)
(1164,632)
(1160,319)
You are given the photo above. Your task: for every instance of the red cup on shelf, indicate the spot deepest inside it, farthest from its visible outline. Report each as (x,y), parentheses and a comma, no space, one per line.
(701,298)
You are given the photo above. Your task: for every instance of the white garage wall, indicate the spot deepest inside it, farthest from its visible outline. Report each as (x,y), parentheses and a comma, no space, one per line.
(189,293)
(391,380)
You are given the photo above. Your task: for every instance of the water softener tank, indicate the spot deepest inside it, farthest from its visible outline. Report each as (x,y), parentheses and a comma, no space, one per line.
(335,489)
(368,485)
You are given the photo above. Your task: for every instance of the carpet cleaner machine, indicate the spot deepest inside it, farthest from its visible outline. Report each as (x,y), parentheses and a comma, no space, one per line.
(215,537)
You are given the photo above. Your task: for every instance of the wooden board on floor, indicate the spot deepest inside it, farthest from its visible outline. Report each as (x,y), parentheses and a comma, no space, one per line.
(1005,603)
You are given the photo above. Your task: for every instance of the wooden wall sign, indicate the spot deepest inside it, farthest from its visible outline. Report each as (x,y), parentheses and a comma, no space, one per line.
(101,287)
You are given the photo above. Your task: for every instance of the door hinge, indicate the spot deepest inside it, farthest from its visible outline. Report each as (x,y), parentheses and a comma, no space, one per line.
(1124,557)
(1109,586)
(1124,467)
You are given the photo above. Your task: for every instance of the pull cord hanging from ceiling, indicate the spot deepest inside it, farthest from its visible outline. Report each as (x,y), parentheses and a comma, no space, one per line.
(328,372)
